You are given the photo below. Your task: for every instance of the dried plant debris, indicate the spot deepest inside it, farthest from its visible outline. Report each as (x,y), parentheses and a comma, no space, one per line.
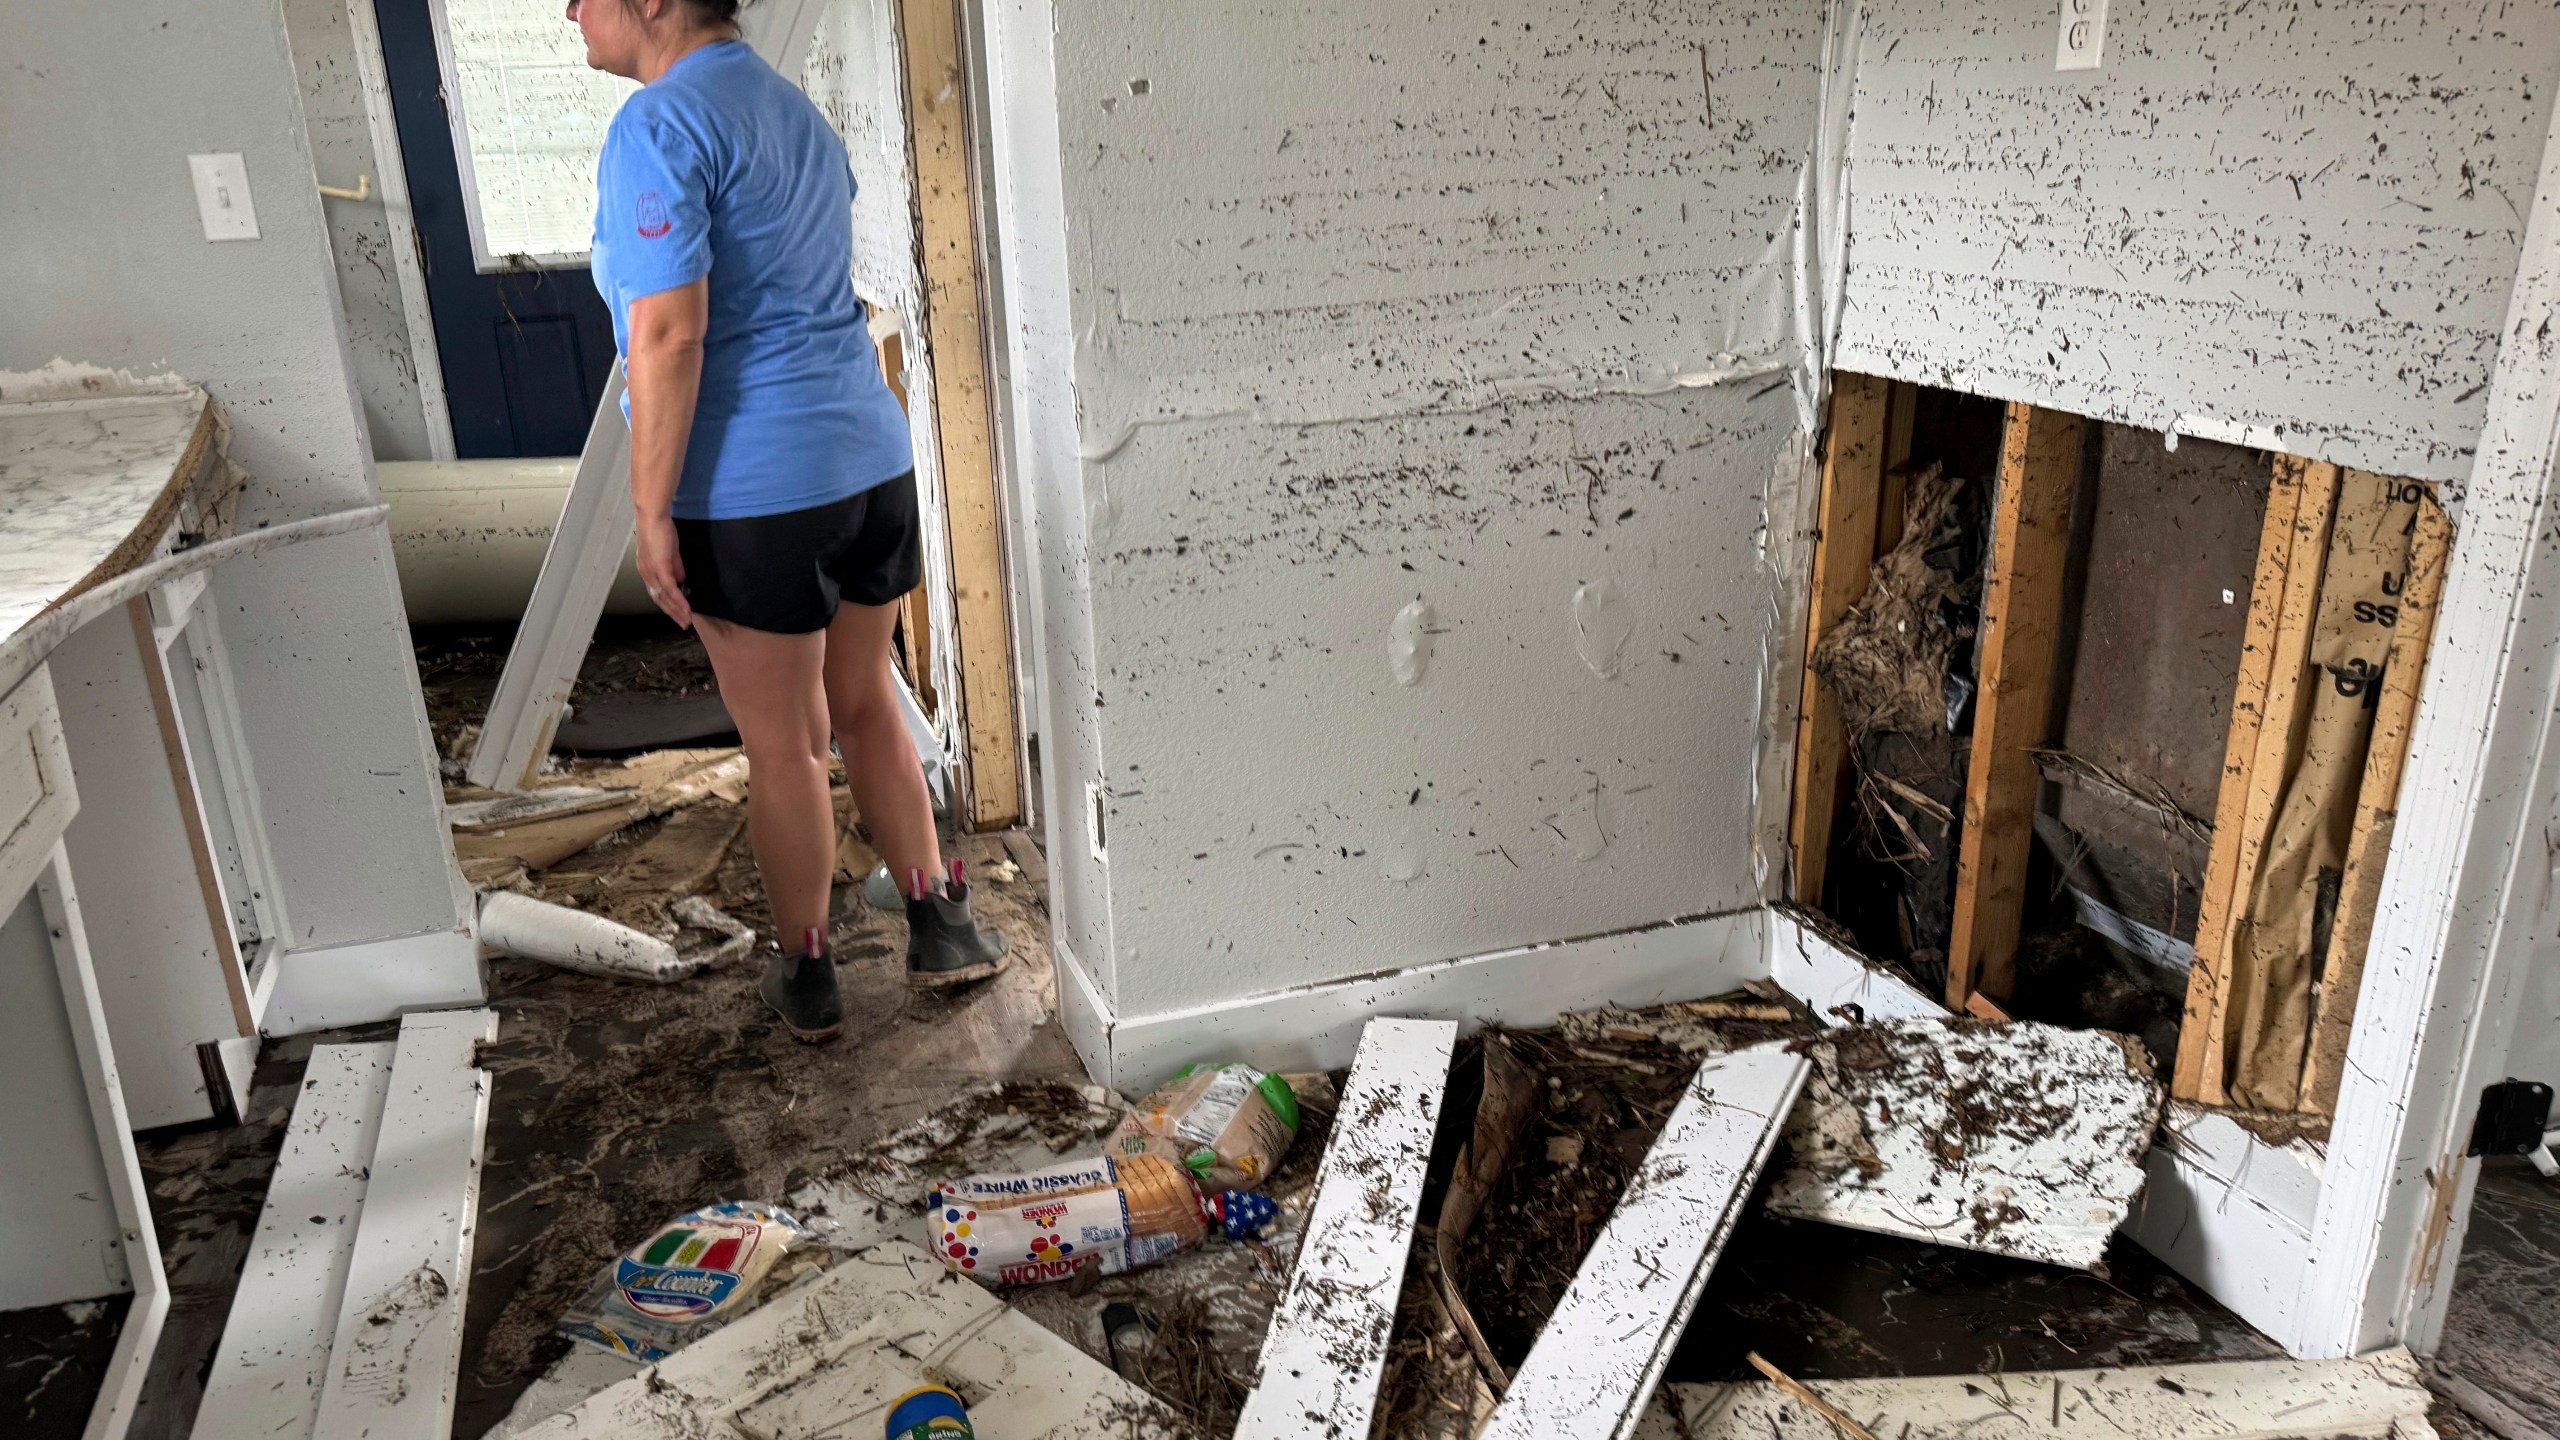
(2015,1139)
(1886,661)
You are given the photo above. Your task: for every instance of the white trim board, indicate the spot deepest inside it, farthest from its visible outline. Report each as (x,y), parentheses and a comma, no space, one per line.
(394,1359)
(1593,1370)
(120,1388)
(274,1355)
(2376,1395)
(358,984)
(2467,894)
(391,183)
(1809,965)
(1317,1027)
(1327,1344)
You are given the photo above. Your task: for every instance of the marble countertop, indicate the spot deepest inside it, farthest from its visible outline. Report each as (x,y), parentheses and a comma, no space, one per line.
(87,487)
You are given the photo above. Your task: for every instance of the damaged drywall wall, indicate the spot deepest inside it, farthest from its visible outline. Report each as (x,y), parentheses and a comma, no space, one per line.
(1378,335)
(2292,225)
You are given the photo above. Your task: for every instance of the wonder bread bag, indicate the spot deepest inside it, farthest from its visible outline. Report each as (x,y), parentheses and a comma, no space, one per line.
(1104,1213)
(1227,1124)
(684,1281)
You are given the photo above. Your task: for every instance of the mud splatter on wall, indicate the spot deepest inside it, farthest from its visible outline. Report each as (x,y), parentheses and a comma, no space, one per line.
(1317,310)
(2298,216)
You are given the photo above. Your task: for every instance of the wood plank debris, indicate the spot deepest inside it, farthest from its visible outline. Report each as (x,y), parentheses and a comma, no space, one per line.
(1328,1339)
(1595,1366)
(2016,1139)
(267,1374)
(1510,1098)
(829,1356)
(527,831)
(398,1347)
(2382,1394)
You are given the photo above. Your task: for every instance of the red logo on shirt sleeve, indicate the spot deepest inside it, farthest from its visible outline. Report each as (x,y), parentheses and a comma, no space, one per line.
(652,214)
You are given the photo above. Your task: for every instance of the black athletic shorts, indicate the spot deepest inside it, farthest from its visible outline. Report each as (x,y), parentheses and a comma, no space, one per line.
(786,573)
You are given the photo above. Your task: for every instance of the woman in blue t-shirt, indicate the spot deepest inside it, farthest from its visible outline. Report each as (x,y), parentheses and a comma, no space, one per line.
(770,466)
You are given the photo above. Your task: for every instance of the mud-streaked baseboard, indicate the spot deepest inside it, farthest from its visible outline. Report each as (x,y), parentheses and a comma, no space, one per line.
(1316,1027)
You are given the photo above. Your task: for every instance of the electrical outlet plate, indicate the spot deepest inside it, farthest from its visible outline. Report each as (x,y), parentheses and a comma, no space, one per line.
(2082,35)
(222,196)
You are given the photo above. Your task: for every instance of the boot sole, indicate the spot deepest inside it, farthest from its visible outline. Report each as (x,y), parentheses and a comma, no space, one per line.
(946,979)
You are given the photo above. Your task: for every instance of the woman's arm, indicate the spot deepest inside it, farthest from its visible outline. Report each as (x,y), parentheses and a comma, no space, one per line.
(664,371)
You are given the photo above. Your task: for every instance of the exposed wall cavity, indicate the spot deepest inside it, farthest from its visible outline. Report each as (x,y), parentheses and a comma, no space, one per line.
(2290,224)
(1465,333)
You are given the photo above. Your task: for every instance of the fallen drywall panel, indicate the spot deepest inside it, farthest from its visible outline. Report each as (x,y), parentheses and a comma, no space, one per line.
(1593,1370)
(2097,243)
(2017,1139)
(267,1375)
(2377,1395)
(830,1356)
(1328,1339)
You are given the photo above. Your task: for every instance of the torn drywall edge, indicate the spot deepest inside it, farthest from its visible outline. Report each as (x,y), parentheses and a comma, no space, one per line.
(1786,540)
(1318,1026)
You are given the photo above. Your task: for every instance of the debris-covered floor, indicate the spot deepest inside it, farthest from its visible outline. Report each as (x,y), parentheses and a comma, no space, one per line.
(618,1105)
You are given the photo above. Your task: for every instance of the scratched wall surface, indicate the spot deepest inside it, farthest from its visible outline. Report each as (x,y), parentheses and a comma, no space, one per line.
(1320,311)
(852,76)
(2296,216)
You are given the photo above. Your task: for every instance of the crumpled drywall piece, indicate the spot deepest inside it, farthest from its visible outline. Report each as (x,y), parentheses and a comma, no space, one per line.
(2016,1139)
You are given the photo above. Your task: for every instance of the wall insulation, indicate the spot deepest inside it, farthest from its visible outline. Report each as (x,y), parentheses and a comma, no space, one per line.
(2292,225)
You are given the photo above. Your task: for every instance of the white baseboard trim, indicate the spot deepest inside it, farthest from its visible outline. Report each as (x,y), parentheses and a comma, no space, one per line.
(2235,1246)
(335,985)
(1317,1027)
(1809,965)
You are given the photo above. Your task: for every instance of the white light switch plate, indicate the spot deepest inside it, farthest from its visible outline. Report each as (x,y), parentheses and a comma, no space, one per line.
(2083,35)
(222,196)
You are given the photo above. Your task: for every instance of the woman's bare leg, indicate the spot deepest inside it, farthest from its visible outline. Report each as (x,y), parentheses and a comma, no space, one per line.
(880,763)
(774,688)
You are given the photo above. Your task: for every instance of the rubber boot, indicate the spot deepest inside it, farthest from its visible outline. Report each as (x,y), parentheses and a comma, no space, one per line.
(945,945)
(801,989)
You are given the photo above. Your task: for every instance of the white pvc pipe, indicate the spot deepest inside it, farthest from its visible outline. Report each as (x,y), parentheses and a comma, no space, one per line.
(531,929)
(468,536)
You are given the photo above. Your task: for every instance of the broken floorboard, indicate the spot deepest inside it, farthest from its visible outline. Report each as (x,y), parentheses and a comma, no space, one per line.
(2015,1139)
(1328,1340)
(829,1357)
(1595,1366)
(2378,1395)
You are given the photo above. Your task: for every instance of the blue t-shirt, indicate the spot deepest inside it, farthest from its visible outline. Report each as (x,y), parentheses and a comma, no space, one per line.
(721,167)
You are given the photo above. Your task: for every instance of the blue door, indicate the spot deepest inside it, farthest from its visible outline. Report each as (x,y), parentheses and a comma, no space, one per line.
(526,353)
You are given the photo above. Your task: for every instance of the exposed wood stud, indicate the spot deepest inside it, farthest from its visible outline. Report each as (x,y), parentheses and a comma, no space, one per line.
(2377,809)
(1853,467)
(2040,457)
(2266,703)
(954,336)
